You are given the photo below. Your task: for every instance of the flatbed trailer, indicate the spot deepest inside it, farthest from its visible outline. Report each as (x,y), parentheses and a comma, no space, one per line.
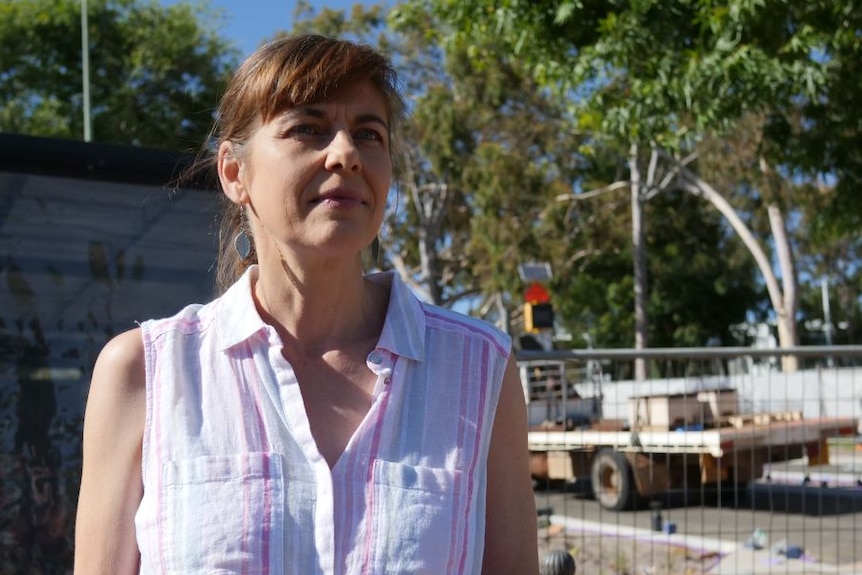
(626,467)
(677,441)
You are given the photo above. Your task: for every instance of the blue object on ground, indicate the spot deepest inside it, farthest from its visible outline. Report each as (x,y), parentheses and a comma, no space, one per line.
(670,528)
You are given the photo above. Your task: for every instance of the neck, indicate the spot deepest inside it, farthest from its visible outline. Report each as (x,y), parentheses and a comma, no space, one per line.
(327,308)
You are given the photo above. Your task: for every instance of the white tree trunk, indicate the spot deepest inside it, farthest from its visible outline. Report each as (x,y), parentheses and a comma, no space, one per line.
(784,301)
(640,267)
(788,334)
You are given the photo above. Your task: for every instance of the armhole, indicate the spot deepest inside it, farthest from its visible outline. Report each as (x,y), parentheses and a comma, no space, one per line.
(497,374)
(496,386)
(149,370)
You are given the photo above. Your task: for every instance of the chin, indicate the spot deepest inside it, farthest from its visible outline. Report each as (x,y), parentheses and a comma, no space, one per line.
(341,247)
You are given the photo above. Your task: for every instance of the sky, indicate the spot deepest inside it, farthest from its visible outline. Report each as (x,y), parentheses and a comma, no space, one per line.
(248,22)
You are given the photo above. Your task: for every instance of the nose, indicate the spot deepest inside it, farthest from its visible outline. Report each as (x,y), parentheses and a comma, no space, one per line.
(342,153)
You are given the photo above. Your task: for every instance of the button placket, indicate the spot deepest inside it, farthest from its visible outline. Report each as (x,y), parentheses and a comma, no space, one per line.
(380,362)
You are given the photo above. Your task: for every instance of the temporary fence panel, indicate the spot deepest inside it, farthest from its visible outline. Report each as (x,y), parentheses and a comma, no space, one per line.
(718,462)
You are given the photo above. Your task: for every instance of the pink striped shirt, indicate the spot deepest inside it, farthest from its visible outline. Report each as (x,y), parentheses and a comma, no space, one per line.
(233,480)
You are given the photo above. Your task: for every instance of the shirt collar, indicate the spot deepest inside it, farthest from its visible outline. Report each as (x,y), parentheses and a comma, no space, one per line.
(236,315)
(403,329)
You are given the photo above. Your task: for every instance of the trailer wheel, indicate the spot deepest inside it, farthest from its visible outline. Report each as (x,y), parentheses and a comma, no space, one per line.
(613,482)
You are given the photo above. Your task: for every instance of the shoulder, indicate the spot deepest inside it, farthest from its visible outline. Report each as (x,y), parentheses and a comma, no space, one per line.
(119,374)
(447,321)
(191,319)
(117,395)
(123,354)
(232,316)
(412,324)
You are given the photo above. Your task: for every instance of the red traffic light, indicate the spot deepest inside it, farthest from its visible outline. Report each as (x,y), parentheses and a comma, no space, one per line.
(536,293)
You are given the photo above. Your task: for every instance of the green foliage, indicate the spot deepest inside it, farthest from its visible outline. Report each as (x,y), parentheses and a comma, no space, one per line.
(665,72)
(700,280)
(156,71)
(361,22)
(731,162)
(833,257)
(683,74)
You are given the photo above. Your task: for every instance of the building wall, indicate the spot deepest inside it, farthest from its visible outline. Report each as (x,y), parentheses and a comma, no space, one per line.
(82,258)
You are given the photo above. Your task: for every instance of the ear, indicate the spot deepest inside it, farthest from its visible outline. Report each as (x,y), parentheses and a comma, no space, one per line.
(230,173)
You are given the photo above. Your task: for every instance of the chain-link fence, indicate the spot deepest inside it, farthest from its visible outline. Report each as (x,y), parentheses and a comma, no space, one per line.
(718,462)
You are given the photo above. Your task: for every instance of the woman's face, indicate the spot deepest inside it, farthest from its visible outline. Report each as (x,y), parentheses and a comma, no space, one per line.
(315,178)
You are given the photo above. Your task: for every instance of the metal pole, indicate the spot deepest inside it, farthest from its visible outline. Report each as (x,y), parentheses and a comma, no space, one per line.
(85,67)
(827,316)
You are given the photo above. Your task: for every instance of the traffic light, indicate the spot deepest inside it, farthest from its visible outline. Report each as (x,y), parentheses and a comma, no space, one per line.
(538,316)
(538,311)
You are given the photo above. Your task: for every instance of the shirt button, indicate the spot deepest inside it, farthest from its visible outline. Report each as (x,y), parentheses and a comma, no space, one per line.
(375,358)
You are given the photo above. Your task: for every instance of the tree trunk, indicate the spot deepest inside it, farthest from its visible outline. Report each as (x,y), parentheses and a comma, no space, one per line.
(788,334)
(784,302)
(431,201)
(428,261)
(640,267)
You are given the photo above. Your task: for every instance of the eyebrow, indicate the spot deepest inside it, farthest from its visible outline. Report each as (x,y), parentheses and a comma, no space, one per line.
(320,114)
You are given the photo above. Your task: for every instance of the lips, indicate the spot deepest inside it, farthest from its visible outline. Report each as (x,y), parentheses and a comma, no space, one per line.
(339,198)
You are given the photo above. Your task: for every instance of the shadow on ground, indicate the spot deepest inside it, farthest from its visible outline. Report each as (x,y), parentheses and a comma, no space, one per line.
(808,499)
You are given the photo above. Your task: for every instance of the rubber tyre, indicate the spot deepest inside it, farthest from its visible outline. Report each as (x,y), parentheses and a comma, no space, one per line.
(613,482)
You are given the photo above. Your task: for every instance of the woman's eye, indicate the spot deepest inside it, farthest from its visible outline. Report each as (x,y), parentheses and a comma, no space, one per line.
(368,134)
(303,130)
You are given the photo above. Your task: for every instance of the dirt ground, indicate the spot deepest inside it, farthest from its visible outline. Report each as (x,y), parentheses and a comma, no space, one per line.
(603,555)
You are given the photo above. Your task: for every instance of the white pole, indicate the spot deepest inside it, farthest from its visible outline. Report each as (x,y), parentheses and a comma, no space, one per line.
(85,67)
(827,316)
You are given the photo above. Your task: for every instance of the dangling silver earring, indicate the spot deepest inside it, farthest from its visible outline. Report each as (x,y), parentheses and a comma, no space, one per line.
(242,245)
(241,242)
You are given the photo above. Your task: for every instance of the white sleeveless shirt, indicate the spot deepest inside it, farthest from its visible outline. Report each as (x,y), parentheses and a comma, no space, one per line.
(233,480)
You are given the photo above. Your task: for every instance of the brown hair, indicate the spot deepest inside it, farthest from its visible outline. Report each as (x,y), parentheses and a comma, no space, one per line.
(289,72)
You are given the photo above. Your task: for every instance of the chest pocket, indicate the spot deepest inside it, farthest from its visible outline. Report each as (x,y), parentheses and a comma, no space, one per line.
(223,514)
(421,516)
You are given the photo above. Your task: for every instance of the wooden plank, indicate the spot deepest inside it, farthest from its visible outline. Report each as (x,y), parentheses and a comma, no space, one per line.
(744,419)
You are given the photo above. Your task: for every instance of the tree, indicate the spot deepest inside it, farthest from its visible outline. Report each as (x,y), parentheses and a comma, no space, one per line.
(646,74)
(156,71)
(830,302)
(702,281)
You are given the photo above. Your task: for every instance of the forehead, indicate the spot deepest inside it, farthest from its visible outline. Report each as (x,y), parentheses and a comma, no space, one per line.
(360,98)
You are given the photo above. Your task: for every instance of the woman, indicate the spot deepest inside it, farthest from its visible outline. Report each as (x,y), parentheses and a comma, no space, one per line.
(311,419)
